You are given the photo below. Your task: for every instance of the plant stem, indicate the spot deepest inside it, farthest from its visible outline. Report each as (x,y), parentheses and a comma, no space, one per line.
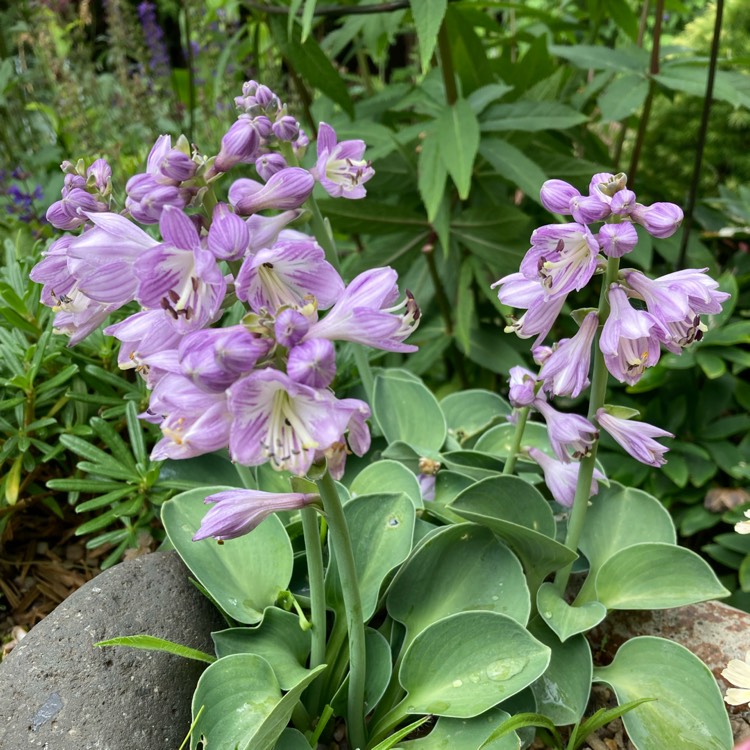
(246,476)
(596,401)
(515,448)
(316,578)
(342,550)
(702,132)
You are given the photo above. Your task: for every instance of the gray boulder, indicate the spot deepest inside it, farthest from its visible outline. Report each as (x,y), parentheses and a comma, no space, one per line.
(57,690)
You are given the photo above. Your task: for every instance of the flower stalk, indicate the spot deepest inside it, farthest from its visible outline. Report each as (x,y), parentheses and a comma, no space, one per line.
(521,416)
(596,401)
(355,626)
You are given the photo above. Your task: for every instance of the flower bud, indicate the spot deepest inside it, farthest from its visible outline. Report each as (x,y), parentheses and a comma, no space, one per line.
(312,363)
(288,188)
(290,327)
(589,209)
(659,219)
(556,196)
(177,165)
(269,164)
(286,128)
(228,237)
(617,239)
(623,202)
(239,144)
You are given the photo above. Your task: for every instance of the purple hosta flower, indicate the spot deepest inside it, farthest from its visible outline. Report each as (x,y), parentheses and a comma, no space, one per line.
(567,431)
(566,371)
(265,230)
(237,512)
(70,212)
(540,353)
(312,363)
(366,314)
(630,338)
(290,327)
(522,387)
(78,316)
(229,236)
(214,358)
(605,185)
(636,438)
(283,422)
(241,142)
(286,128)
(616,240)
(288,274)
(103,258)
(340,168)
(289,188)
(267,165)
(659,219)
(52,271)
(257,99)
(357,437)
(562,478)
(562,198)
(141,335)
(676,296)
(180,276)
(623,202)
(562,256)
(541,312)
(427,486)
(193,422)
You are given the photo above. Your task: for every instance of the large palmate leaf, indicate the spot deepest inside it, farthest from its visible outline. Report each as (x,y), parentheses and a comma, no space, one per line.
(688,712)
(223,568)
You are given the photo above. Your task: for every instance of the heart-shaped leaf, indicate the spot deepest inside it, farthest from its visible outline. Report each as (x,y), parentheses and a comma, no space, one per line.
(468,413)
(688,712)
(222,568)
(387,476)
(564,619)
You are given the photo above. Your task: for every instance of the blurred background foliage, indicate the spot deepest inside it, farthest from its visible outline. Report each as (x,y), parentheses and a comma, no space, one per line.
(466,107)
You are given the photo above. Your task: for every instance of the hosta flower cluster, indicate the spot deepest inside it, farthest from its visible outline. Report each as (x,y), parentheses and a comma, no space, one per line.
(257,384)
(638,316)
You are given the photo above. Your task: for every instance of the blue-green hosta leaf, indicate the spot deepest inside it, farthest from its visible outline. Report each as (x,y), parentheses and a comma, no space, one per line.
(387,476)
(223,568)
(466,663)
(565,619)
(499,439)
(381,528)
(461,567)
(407,411)
(655,575)
(562,692)
(242,703)
(278,639)
(466,734)
(688,712)
(470,412)
(458,135)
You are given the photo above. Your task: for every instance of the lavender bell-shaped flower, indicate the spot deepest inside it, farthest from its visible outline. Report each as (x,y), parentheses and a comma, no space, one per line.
(283,422)
(237,512)
(562,257)
(180,276)
(636,438)
(522,387)
(562,478)
(630,339)
(567,431)
(340,168)
(659,219)
(288,188)
(366,314)
(566,371)
(287,274)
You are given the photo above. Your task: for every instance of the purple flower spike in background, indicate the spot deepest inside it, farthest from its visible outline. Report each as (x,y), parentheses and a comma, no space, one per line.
(636,438)
(562,256)
(238,512)
(567,431)
(566,371)
(562,478)
(340,168)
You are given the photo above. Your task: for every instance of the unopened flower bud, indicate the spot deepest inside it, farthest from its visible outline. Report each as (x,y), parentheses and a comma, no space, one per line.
(288,188)
(269,164)
(312,363)
(290,327)
(286,128)
(556,196)
(617,239)
(229,236)
(659,219)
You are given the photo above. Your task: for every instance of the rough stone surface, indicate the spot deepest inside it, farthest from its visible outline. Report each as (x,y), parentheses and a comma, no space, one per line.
(59,692)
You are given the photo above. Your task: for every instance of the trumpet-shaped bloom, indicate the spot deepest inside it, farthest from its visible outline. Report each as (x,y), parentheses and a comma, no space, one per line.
(193,421)
(366,314)
(562,256)
(636,438)
(180,276)
(567,432)
(562,478)
(287,188)
(237,512)
(283,422)
(565,371)
(630,339)
(287,274)
(340,168)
